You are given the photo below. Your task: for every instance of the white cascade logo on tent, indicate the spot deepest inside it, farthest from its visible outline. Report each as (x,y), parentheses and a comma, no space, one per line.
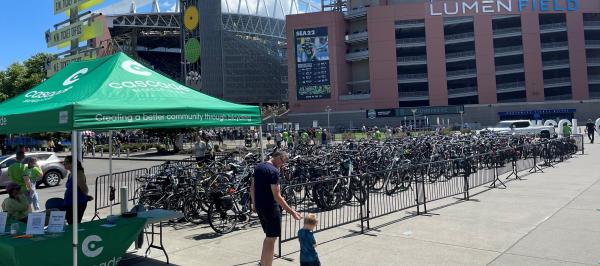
(136,68)
(75,77)
(89,247)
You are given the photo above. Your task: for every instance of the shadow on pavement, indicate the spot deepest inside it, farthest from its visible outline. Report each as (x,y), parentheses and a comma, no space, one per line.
(132,259)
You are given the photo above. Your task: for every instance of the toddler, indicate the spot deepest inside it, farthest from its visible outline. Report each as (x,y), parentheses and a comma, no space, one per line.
(308,244)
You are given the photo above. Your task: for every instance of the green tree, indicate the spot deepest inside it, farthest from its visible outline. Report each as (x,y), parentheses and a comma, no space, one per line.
(20,77)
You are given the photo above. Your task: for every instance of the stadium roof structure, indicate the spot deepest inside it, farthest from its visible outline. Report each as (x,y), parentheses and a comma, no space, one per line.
(261,17)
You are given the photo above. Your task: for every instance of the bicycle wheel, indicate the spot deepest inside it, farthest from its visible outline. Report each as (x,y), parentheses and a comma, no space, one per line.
(192,211)
(392,183)
(222,221)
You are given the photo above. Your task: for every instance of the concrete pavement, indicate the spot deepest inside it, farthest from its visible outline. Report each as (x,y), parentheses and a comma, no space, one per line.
(547,218)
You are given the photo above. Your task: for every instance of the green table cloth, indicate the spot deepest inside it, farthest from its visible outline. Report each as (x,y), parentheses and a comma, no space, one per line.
(98,244)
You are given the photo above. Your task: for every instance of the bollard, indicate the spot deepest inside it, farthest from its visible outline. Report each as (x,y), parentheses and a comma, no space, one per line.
(123,192)
(127,153)
(102,152)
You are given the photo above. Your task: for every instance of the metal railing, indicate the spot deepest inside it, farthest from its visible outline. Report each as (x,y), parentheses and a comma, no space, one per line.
(504,31)
(558,97)
(554,45)
(409,24)
(456,73)
(555,63)
(355,37)
(343,200)
(413,93)
(459,36)
(412,76)
(462,90)
(359,55)
(556,81)
(412,58)
(349,97)
(355,13)
(410,40)
(592,42)
(594,77)
(509,49)
(449,21)
(591,23)
(553,26)
(507,87)
(106,188)
(516,67)
(460,54)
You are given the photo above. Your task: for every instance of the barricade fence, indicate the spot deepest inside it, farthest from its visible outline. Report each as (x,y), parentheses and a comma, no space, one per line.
(107,187)
(578,138)
(359,198)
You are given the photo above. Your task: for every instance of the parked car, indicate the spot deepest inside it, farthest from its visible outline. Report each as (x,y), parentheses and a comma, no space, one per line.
(54,170)
(521,127)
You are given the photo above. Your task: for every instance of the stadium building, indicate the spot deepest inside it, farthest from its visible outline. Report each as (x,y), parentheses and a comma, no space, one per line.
(242,57)
(377,62)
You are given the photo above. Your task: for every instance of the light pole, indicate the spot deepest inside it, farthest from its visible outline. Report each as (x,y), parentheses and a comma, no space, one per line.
(461,118)
(414,111)
(328,110)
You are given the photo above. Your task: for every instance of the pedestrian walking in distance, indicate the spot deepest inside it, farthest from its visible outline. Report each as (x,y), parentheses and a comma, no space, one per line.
(590,129)
(267,202)
(308,244)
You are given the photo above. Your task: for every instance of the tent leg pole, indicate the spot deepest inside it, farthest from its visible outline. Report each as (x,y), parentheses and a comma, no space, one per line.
(110,169)
(260,137)
(74,153)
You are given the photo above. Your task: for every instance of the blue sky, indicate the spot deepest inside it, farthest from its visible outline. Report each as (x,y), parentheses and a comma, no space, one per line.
(23,23)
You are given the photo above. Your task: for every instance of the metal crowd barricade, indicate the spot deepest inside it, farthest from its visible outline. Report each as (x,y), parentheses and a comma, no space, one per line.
(104,188)
(418,185)
(303,198)
(579,142)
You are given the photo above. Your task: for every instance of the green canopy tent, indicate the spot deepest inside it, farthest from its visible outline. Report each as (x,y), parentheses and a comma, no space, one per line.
(115,92)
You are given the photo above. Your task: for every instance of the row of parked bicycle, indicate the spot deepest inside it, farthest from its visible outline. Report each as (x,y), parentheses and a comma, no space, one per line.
(329,177)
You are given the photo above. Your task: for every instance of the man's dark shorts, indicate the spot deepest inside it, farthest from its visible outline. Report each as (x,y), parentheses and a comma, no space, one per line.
(270,220)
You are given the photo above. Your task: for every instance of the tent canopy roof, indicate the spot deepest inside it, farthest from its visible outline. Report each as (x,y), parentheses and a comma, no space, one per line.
(116,92)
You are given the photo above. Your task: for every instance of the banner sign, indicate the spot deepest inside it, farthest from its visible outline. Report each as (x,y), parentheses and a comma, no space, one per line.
(64,34)
(61,63)
(420,111)
(540,112)
(98,245)
(64,5)
(472,7)
(312,64)
(81,30)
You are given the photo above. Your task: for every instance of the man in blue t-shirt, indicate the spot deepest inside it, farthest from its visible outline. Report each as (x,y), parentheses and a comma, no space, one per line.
(267,202)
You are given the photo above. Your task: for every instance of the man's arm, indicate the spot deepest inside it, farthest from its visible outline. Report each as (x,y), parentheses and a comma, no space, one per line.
(276,190)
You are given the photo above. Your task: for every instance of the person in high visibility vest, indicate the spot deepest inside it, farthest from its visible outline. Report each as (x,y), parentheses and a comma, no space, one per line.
(318,135)
(567,130)
(286,137)
(304,137)
(378,135)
